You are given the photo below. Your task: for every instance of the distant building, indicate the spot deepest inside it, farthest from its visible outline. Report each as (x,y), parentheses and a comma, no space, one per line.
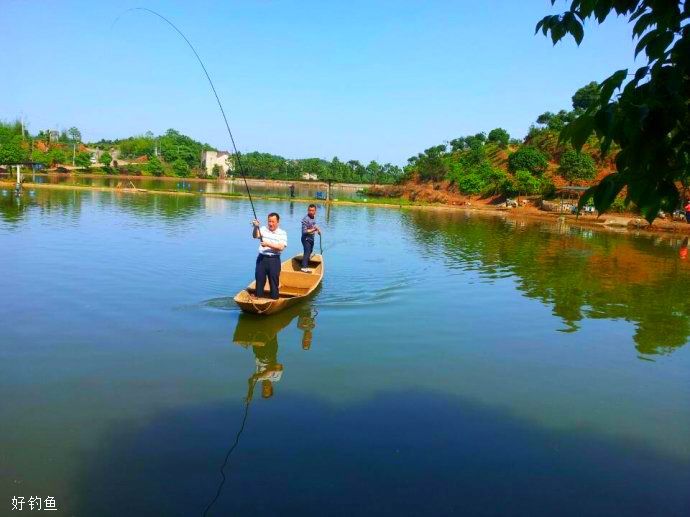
(53,136)
(307,176)
(222,159)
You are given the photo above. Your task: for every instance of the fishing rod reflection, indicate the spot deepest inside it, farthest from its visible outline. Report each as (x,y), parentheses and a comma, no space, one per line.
(261,334)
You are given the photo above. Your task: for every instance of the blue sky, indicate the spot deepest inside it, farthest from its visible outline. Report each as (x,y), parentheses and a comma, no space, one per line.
(359,79)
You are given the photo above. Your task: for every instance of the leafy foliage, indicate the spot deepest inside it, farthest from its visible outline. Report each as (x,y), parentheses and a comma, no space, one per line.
(499,136)
(74,134)
(430,165)
(154,166)
(106,159)
(11,150)
(575,165)
(56,156)
(648,120)
(529,159)
(556,121)
(83,159)
(586,97)
(526,183)
(180,168)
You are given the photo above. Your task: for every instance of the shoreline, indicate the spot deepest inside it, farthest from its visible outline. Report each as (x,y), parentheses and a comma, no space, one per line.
(607,223)
(235,179)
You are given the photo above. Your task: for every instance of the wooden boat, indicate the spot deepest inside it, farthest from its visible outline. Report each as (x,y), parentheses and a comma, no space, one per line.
(294,287)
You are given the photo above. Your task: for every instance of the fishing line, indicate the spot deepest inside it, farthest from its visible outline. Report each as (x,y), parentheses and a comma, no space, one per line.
(234,445)
(215,93)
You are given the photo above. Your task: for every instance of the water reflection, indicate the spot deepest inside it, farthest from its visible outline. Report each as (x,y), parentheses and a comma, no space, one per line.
(14,208)
(261,334)
(236,186)
(579,273)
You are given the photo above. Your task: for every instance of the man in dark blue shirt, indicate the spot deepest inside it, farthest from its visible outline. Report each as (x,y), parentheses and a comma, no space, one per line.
(309,228)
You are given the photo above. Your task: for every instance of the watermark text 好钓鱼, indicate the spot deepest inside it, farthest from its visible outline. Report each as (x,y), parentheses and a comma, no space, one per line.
(33,503)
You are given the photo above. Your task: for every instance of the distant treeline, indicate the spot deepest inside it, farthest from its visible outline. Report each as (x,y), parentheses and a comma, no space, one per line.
(174,147)
(269,166)
(493,163)
(174,154)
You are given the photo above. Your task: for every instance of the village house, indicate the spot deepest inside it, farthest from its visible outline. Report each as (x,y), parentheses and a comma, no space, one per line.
(221,159)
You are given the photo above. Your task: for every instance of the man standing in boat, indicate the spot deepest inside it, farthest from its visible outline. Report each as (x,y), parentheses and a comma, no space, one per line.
(273,241)
(309,228)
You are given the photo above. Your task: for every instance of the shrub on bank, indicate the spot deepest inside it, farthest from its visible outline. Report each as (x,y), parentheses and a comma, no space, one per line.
(528,159)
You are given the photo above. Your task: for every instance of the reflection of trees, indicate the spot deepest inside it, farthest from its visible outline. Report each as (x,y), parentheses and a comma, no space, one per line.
(579,274)
(68,202)
(13,208)
(165,206)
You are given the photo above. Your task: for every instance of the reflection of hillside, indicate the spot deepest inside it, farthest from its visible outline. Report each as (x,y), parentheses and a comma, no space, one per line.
(581,275)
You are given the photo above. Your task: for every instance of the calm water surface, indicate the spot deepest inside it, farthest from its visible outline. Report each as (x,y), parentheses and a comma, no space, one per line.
(450,364)
(302,189)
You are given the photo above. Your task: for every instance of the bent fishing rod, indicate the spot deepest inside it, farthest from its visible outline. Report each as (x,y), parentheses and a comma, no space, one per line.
(215,93)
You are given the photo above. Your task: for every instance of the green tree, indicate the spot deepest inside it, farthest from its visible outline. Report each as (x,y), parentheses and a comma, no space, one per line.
(430,165)
(576,165)
(154,166)
(374,171)
(40,157)
(12,151)
(648,120)
(586,97)
(57,155)
(106,159)
(529,159)
(74,134)
(556,121)
(180,168)
(526,183)
(499,136)
(83,160)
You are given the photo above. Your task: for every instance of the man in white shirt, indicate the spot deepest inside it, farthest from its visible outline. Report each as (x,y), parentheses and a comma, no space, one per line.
(273,241)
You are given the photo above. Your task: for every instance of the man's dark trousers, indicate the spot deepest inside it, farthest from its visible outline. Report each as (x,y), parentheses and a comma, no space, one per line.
(308,245)
(267,266)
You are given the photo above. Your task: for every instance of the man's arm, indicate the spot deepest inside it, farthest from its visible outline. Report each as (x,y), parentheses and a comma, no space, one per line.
(278,247)
(255,231)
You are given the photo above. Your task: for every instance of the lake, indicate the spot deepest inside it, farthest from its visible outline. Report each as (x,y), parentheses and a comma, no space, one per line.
(451,363)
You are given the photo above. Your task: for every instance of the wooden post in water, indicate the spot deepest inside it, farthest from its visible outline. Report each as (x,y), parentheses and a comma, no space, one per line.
(18,187)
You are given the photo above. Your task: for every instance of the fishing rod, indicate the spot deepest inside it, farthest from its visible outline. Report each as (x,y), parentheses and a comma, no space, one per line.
(215,93)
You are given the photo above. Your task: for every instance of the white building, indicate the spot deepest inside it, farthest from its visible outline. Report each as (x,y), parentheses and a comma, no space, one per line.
(209,159)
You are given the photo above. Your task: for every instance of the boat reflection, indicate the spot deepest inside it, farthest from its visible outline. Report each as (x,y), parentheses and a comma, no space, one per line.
(261,334)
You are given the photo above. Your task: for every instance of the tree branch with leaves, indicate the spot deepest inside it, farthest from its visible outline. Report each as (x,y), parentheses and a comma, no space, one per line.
(649,117)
